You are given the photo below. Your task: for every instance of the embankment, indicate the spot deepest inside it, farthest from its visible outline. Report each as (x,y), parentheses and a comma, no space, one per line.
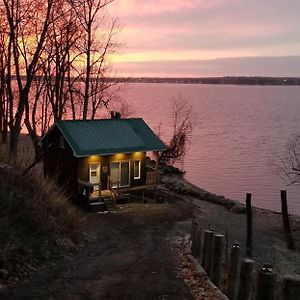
(36,222)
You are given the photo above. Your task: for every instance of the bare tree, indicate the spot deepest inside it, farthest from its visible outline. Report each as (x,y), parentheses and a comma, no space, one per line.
(95,50)
(4,103)
(53,56)
(183,120)
(23,17)
(291,163)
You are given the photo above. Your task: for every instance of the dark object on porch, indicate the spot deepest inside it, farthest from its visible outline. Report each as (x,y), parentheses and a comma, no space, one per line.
(98,160)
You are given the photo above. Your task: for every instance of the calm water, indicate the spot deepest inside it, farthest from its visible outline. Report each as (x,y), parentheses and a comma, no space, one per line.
(238,141)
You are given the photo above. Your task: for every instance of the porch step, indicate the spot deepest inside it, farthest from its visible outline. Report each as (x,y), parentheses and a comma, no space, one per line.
(107,200)
(96,206)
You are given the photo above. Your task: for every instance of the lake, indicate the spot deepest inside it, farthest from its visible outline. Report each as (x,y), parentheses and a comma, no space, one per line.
(240,136)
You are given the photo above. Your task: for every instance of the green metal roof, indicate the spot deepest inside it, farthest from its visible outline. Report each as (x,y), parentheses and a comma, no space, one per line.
(109,136)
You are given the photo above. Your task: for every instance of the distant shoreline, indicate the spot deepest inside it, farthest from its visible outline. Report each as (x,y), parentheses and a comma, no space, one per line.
(227,80)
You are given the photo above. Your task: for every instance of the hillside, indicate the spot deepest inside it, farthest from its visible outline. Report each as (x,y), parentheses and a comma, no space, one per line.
(36,223)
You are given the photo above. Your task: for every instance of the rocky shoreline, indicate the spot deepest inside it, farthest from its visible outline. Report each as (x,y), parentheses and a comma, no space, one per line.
(182,186)
(228,217)
(173,179)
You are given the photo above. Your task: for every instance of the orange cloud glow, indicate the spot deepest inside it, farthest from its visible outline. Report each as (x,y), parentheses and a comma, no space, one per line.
(175,31)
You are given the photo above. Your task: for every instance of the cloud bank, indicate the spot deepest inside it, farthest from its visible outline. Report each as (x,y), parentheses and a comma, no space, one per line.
(205,31)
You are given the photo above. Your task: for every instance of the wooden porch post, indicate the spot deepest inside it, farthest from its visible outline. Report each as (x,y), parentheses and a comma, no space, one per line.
(156,153)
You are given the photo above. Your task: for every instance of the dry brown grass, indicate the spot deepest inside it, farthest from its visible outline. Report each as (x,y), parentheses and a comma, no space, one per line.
(25,153)
(36,218)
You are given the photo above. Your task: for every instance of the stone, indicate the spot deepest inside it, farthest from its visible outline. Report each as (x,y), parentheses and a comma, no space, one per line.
(4,273)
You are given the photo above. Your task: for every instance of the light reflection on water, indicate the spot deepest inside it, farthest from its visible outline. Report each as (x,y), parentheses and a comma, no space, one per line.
(240,136)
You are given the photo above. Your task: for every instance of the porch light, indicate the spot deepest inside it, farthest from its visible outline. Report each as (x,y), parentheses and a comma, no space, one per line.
(119,156)
(139,154)
(93,158)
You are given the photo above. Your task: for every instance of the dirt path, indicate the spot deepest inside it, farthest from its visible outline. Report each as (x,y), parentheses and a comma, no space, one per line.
(129,256)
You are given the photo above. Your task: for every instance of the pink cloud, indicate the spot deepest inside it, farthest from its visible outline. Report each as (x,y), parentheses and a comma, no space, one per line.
(149,7)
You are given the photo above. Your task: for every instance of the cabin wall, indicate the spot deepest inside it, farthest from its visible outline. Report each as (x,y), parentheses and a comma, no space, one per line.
(83,166)
(59,162)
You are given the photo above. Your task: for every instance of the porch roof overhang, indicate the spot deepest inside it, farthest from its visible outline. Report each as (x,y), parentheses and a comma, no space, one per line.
(109,136)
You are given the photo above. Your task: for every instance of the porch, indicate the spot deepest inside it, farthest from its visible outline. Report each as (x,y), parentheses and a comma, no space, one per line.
(106,199)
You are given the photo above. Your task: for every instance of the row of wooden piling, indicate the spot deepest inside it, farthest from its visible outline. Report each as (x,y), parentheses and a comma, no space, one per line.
(208,248)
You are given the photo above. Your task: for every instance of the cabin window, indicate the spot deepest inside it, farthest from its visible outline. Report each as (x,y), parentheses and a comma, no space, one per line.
(120,174)
(94,175)
(61,142)
(137,169)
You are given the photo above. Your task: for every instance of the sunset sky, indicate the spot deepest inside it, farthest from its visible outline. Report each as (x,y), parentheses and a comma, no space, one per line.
(208,37)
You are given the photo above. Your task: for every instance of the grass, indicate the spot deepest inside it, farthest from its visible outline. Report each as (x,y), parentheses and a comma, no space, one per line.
(37,220)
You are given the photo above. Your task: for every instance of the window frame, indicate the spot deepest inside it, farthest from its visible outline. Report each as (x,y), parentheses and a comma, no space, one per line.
(139,168)
(119,162)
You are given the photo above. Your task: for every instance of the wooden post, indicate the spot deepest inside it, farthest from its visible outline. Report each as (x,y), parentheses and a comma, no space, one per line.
(266,283)
(234,268)
(226,249)
(249,225)
(217,257)
(245,279)
(156,153)
(87,193)
(196,243)
(194,226)
(204,249)
(286,221)
(143,196)
(199,243)
(291,287)
(209,248)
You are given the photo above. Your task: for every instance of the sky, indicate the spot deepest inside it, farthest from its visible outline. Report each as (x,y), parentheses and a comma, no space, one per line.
(194,38)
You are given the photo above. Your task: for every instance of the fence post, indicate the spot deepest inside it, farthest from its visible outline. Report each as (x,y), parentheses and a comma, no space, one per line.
(291,287)
(226,249)
(199,243)
(249,225)
(233,276)
(194,225)
(204,249)
(196,242)
(266,283)
(208,254)
(217,256)
(286,221)
(245,285)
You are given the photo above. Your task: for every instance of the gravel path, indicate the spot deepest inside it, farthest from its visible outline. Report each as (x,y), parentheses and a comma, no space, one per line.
(130,255)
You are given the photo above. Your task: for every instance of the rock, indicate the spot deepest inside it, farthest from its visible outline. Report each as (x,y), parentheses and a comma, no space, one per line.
(4,273)
(204,196)
(238,209)
(2,287)
(230,203)
(172,170)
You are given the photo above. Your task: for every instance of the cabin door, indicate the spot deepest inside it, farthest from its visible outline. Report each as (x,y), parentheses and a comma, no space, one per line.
(94,175)
(120,174)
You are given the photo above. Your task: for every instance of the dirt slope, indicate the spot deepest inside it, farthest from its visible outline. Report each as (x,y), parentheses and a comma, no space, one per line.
(128,256)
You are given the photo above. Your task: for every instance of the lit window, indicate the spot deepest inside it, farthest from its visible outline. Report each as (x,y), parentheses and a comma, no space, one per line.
(137,169)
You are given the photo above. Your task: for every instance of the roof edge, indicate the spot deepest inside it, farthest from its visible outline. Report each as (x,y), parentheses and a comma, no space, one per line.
(113,153)
(57,123)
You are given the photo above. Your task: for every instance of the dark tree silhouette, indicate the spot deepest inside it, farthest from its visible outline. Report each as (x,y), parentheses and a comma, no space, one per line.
(183,121)
(291,163)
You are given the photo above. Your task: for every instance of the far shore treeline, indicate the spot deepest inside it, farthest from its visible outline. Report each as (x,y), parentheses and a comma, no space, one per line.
(238,80)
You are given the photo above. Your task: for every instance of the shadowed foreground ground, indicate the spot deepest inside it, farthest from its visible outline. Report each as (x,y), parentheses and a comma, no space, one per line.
(129,256)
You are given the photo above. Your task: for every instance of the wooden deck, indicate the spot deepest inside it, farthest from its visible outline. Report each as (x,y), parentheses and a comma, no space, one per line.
(110,195)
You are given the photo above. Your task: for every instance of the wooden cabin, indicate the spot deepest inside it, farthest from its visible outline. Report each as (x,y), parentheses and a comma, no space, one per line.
(99,159)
